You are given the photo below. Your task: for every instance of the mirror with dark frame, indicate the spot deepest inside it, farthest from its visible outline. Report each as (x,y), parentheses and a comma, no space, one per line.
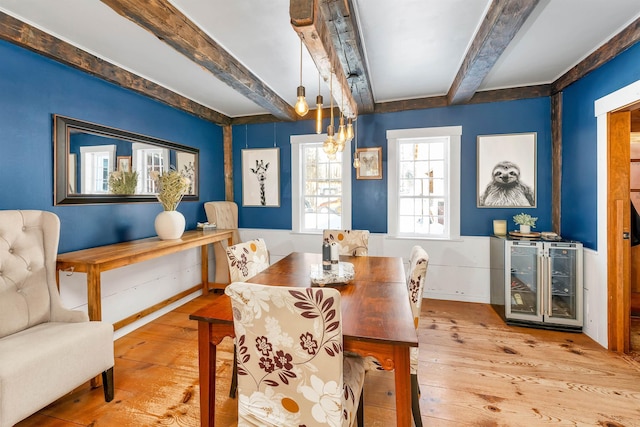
(99,164)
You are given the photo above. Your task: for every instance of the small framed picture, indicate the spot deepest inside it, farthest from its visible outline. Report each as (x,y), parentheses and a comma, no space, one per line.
(370,163)
(124,163)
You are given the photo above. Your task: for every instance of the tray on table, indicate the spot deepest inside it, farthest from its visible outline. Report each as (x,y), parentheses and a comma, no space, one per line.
(343,274)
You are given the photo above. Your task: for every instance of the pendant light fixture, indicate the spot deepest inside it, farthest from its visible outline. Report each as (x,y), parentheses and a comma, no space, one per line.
(356,158)
(301,107)
(349,129)
(330,146)
(342,133)
(319,109)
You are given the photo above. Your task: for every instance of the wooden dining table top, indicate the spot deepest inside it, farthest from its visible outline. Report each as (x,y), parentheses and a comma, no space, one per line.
(375,304)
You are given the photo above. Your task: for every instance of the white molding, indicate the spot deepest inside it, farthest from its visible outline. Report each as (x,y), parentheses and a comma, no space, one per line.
(454,134)
(596,301)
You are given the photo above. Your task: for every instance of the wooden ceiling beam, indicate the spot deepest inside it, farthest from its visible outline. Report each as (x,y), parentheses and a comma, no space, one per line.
(342,23)
(503,20)
(308,22)
(168,24)
(28,37)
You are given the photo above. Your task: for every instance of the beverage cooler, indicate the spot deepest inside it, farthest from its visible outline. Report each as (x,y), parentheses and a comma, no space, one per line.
(537,283)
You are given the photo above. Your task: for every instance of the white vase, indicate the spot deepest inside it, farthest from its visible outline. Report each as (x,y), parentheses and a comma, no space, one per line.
(169,225)
(525,229)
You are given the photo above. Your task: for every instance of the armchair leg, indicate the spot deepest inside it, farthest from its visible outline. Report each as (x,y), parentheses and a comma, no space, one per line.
(415,401)
(234,375)
(107,384)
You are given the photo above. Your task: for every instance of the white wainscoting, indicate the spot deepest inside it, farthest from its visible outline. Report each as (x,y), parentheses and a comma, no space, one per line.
(458,270)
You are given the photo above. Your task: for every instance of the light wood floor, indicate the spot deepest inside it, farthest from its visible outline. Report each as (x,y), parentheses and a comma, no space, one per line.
(474,371)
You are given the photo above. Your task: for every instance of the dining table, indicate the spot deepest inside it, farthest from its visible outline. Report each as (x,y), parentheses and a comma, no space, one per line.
(376,320)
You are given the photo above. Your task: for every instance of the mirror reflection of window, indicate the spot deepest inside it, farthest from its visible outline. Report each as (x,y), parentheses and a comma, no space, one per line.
(97,162)
(146,159)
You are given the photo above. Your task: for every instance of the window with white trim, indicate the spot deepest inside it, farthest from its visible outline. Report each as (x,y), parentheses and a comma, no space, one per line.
(320,187)
(97,162)
(147,160)
(424,182)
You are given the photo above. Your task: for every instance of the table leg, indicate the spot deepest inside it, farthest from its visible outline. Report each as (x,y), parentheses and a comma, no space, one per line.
(94,304)
(403,386)
(94,301)
(207,374)
(204,262)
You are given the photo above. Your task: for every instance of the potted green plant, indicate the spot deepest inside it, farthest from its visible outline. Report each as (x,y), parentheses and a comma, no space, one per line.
(525,221)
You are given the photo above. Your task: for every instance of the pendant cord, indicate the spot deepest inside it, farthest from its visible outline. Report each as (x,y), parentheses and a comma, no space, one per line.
(246,132)
(274,134)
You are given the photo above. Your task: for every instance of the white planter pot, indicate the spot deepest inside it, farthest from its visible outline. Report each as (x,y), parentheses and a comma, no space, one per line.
(525,229)
(169,225)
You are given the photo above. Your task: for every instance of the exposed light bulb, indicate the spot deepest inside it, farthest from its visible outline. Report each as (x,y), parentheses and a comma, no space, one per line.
(330,145)
(342,135)
(356,162)
(319,114)
(349,129)
(302,108)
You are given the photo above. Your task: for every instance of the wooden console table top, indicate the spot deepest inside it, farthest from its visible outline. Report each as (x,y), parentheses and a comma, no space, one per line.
(94,261)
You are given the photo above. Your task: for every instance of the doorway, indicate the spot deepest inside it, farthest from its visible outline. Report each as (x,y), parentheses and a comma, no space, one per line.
(623,189)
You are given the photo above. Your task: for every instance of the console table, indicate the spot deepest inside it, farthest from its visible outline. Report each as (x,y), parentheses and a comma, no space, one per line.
(94,261)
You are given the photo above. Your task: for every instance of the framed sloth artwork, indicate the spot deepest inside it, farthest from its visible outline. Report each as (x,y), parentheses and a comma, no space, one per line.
(507,171)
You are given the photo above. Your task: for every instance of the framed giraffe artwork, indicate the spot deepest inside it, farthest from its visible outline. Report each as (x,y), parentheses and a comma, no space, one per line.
(261,177)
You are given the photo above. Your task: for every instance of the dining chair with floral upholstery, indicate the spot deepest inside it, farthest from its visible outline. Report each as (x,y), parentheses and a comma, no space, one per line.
(418,263)
(247,259)
(292,370)
(350,242)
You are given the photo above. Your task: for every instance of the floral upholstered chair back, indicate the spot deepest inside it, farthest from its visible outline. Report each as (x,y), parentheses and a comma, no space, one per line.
(350,242)
(290,357)
(418,264)
(247,259)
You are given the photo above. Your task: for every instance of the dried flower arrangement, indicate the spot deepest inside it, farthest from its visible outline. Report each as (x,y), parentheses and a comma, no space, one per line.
(123,182)
(171,187)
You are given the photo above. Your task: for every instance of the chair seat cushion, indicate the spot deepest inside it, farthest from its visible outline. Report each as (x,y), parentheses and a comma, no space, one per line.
(40,364)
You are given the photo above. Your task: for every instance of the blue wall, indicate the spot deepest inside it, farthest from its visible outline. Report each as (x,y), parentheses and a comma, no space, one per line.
(369,197)
(32,88)
(579,143)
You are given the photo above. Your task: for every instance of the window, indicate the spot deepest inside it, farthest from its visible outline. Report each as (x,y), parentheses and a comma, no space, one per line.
(321,188)
(97,162)
(146,159)
(424,182)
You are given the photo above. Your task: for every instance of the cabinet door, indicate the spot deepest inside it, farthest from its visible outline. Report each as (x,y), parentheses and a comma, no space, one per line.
(523,271)
(564,284)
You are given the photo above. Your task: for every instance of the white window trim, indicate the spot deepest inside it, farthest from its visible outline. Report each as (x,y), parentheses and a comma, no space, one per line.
(453,176)
(297,210)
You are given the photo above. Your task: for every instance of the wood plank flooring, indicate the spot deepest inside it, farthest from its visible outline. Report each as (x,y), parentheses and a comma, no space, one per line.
(474,371)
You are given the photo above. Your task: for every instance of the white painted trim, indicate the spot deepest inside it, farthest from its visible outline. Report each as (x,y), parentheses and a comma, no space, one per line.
(596,302)
(454,134)
(296,180)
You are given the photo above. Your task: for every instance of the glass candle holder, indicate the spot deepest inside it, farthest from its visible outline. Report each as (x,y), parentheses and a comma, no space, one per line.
(500,227)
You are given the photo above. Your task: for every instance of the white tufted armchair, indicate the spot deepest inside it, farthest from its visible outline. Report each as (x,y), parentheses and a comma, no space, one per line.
(292,370)
(46,350)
